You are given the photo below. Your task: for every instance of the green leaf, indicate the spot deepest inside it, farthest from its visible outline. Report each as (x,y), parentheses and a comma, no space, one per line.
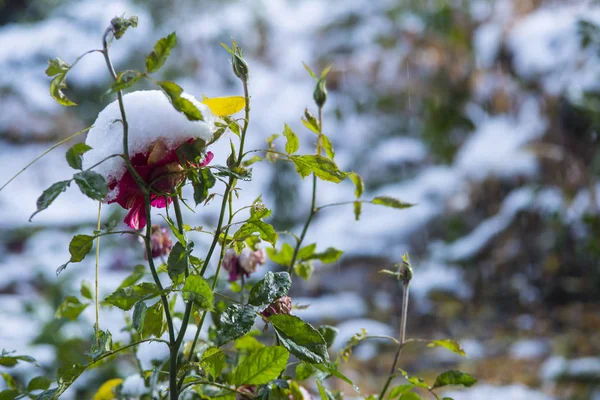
(102,344)
(9,360)
(57,66)
(410,396)
(154,324)
(358,183)
(125,80)
(322,167)
(304,270)
(354,341)
(159,55)
(454,377)
(400,390)
(357,210)
(307,68)
(38,383)
(326,71)
(139,315)
(177,263)
(305,252)
(449,344)
(92,184)
(120,25)
(9,394)
(323,392)
(80,246)
(56,90)
(235,172)
(235,322)
(265,230)
(283,257)
(390,202)
(248,342)
(48,394)
(86,290)
(9,380)
(67,375)
(74,154)
(329,333)
(328,256)
(181,104)
(415,380)
(311,122)
(292,144)
(213,361)
(300,338)
(197,289)
(304,371)
(261,366)
(70,308)
(49,195)
(201,183)
(137,274)
(126,297)
(270,288)
(328,146)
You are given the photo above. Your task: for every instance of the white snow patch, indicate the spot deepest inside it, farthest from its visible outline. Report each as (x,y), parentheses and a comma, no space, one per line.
(337,306)
(134,386)
(490,392)
(495,146)
(152,353)
(556,367)
(430,276)
(399,150)
(546,44)
(528,349)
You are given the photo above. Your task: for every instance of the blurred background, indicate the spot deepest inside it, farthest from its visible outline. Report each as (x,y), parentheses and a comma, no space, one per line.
(484,113)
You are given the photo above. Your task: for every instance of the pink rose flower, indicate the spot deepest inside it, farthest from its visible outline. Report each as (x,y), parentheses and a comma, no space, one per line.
(157,167)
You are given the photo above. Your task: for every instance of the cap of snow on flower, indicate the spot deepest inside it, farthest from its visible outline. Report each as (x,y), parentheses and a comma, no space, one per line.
(155,131)
(244,264)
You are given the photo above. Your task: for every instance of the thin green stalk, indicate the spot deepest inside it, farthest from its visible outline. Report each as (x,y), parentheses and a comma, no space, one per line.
(403,341)
(313,203)
(226,198)
(43,154)
(97,327)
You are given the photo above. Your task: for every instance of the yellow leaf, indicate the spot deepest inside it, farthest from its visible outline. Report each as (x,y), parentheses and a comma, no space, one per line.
(106,390)
(223,106)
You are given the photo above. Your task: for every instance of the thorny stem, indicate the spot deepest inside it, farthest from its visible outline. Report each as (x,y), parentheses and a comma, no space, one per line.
(313,204)
(140,182)
(403,341)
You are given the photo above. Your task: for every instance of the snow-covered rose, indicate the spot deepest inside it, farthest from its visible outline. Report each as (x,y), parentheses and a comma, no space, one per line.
(156,131)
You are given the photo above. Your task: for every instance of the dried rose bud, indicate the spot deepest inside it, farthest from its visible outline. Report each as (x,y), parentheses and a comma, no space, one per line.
(249,260)
(160,241)
(230,264)
(282,305)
